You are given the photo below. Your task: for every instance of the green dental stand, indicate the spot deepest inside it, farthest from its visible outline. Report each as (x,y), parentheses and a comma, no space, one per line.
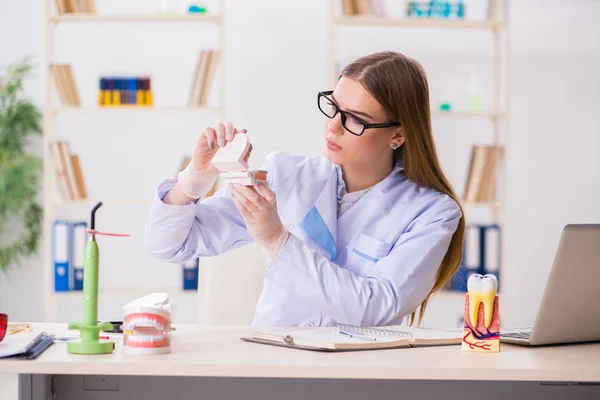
(90,328)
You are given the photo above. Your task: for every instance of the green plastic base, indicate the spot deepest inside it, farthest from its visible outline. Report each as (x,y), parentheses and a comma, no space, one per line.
(100,347)
(90,342)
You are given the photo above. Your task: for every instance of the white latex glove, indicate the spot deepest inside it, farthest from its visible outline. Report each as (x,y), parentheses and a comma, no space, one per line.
(258,207)
(200,175)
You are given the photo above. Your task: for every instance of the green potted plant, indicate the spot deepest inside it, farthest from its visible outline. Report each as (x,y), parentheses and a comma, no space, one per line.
(20,213)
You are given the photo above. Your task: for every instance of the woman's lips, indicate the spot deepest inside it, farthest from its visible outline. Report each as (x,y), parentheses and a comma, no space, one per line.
(332,146)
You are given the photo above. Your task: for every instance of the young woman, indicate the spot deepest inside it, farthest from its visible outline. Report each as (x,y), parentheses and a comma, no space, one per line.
(362,236)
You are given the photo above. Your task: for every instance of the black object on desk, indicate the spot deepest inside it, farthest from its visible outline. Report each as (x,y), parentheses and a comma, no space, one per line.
(40,346)
(117,327)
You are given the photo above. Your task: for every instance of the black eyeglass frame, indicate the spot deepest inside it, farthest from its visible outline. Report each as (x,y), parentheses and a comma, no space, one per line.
(344,115)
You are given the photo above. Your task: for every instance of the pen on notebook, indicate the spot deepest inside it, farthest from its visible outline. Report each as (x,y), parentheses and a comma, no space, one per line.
(41,336)
(358,335)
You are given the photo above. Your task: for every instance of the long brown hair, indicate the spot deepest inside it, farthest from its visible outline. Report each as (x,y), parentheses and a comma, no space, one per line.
(399,84)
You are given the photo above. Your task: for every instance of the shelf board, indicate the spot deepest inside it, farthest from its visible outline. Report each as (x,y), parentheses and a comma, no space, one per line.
(96,18)
(114,202)
(468,114)
(130,292)
(493,205)
(447,294)
(141,109)
(419,22)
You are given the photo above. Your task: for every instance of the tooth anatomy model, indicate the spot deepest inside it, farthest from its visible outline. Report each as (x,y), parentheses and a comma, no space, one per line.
(482,317)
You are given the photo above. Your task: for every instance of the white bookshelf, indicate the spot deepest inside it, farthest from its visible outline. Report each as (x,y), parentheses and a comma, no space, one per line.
(468,114)
(444,306)
(371,21)
(109,202)
(128,293)
(137,109)
(142,18)
(52,110)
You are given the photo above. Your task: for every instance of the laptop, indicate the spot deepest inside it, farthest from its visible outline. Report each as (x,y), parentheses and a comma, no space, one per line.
(570,308)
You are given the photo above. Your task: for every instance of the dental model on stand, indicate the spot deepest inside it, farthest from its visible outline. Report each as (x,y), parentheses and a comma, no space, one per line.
(147,325)
(232,162)
(482,317)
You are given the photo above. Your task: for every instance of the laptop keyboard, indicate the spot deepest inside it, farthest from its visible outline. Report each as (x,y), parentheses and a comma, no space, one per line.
(518,335)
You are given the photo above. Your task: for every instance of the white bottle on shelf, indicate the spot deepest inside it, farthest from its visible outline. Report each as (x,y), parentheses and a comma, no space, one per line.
(473,93)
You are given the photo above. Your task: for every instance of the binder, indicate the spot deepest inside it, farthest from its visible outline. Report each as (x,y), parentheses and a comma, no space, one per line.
(190,274)
(79,237)
(61,240)
(492,256)
(481,254)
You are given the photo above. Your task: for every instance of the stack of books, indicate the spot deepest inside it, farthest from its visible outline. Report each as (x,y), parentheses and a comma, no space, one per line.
(75,6)
(124,91)
(481,178)
(364,7)
(71,184)
(206,69)
(65,82)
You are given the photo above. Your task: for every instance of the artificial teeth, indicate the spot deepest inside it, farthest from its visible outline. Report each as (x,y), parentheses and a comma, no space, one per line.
(481,289)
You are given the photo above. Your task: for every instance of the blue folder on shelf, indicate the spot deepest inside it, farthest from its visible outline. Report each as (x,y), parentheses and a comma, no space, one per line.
(481,254)
(61,249)
(78,237)
(190,274)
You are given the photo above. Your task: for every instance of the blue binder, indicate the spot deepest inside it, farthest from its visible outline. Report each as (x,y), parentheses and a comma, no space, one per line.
(61,242)
(78,238)
(190,274)
(484,261)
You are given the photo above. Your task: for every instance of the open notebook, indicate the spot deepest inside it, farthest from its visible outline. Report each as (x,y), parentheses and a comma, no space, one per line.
(348,337)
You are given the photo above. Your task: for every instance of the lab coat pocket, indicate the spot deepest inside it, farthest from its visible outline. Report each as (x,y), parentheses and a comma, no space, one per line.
(370,248)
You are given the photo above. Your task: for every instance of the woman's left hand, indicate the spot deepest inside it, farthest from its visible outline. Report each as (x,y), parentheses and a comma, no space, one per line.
(258,206)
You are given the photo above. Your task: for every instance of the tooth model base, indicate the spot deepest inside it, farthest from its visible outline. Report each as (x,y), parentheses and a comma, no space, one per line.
(477,337)
(247,178)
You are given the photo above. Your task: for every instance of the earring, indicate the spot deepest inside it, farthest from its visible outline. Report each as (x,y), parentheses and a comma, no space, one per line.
(394,146)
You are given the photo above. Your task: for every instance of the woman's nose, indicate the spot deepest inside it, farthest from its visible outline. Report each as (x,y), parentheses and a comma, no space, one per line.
(335,125)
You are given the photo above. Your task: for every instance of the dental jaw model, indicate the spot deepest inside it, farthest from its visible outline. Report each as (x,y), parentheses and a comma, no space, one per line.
(232,161)
(482,318)
(147,325)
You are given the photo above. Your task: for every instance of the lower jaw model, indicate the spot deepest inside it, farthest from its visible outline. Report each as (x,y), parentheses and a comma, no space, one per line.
(146,331)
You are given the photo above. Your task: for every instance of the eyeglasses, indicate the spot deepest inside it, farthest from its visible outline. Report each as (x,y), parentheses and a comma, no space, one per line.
(350,122)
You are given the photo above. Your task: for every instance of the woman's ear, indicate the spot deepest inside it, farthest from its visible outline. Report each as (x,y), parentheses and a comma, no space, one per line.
(399,137)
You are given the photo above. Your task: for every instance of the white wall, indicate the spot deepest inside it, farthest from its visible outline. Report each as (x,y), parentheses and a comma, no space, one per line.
(275,64)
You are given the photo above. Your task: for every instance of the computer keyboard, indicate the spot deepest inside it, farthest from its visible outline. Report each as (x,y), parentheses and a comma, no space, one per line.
(518,335)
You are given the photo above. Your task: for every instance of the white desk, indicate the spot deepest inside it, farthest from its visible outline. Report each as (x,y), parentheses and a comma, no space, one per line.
(216,363)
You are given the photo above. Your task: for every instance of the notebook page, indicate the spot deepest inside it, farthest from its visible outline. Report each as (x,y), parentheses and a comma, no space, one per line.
(323,335)
(329,335)
(423,336)
(397,331)
(420,333)
(16,344)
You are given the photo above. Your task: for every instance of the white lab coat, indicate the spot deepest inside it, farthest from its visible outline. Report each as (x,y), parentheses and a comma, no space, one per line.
(371,266)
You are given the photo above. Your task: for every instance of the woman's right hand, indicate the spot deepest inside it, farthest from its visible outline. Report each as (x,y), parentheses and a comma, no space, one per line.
(200,175)
(209,142)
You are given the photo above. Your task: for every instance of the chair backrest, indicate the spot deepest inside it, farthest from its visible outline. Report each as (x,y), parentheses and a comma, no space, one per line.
(229,286)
